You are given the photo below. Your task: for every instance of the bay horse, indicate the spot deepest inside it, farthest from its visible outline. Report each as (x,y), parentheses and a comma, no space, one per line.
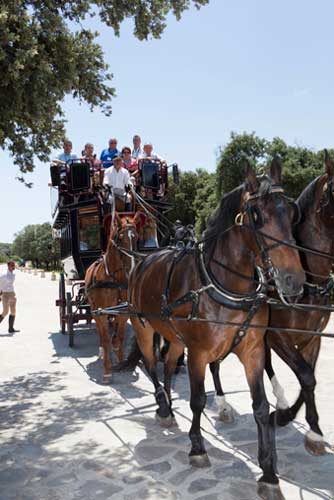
(179,294)
(300,351)
(106,284)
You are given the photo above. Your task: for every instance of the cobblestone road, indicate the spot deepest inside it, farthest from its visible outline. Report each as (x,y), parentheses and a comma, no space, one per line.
(65,436)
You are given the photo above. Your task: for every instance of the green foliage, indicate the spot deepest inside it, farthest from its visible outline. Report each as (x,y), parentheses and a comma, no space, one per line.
(230,168)
(205,200)
(6,249)
(194,199)
(46,53)
(5,252)
(300,165)
(35,243)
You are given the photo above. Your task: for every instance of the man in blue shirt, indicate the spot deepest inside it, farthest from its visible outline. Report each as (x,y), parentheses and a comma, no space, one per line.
(66,155)
(108,155)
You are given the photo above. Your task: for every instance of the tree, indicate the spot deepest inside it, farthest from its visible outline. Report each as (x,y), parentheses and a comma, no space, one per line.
(35,243)
(300,165)
(46,53)
(230,167)
(206,199)
(194,199)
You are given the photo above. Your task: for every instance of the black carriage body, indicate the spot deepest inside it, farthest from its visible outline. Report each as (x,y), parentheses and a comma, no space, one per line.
(78,218)
(80,230)
(153,181)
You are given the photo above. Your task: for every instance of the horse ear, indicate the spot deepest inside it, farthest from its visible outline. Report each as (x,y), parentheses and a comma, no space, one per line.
(118,220)
(252,184)
(276,170)
(329,170)
(320,188)
(136,217)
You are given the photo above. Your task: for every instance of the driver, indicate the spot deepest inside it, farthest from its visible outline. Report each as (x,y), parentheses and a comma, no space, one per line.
(118,178)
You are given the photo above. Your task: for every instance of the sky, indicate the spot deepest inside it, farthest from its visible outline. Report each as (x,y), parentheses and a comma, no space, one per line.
(239,66)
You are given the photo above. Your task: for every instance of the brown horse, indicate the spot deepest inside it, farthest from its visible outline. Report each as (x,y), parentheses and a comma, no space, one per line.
(185,294)
(300,351)
(106,284)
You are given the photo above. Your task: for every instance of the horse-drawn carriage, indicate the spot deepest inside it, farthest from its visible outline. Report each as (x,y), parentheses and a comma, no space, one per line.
(79,214)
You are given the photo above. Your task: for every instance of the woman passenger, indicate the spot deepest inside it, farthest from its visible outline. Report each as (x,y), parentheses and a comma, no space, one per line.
(128,162)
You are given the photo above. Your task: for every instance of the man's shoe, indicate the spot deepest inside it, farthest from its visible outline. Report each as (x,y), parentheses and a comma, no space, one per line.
(11,324)
(1,318)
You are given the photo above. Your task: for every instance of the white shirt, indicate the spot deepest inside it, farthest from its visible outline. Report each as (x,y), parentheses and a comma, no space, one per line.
(136,153)
(116,179)
(7,282)
(153,156)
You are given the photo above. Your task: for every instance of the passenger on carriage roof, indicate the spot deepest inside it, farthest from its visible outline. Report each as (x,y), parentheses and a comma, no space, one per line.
(108,155)
(88,154)
(118,178)
(137,150)
(128,162)
(66,155)
(148,152)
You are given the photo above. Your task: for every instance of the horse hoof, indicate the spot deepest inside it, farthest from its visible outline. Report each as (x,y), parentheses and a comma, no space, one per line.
(226,415)
(269,491)
(314,444)
(165,422)
(282,417)
(107,378)
(199,461)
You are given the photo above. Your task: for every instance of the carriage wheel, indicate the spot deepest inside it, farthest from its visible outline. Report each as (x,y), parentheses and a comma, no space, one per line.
(62,306)
(69,319)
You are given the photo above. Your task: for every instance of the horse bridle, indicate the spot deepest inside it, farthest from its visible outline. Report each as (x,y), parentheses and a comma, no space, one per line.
(256,222)
(132,234)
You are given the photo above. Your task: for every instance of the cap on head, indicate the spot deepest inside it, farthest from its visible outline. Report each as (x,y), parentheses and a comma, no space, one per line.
(117,159)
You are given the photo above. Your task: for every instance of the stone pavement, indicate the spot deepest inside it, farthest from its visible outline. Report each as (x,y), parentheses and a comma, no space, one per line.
(65,436)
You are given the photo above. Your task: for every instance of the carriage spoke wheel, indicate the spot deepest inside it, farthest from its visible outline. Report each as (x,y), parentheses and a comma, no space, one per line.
(62,304)
(69,311)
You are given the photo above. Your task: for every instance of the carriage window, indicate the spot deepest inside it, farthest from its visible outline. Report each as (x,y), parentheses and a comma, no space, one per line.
(150,172)
(89,232)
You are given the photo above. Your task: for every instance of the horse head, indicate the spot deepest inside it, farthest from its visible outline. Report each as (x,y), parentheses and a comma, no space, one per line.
(147,229)
(316,228)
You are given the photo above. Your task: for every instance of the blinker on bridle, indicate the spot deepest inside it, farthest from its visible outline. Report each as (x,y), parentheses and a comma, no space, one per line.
(256,221)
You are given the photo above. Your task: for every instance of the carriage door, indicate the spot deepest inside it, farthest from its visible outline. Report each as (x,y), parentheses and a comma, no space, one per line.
(88,230)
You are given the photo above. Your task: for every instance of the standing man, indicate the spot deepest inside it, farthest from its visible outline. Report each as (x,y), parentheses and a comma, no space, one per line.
(67,154)
(137,151)
(108,155)
(8,295)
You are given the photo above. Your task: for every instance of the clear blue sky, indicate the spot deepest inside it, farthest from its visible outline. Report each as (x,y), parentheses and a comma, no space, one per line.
(244,66)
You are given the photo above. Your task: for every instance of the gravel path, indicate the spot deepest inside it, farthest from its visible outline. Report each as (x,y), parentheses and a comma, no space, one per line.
(65,436)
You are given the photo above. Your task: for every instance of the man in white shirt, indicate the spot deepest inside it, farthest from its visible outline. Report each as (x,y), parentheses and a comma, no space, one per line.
(137,151)
(8,295)
(148,152)
(118,178)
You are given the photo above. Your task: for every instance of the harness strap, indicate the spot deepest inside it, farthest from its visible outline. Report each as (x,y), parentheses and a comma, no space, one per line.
(311,289)
(242,330)
(106,285)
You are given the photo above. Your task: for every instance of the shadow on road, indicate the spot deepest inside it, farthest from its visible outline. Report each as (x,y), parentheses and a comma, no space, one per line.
(40,457)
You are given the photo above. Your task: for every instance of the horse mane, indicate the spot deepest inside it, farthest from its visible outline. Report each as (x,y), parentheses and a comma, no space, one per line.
(224,215)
